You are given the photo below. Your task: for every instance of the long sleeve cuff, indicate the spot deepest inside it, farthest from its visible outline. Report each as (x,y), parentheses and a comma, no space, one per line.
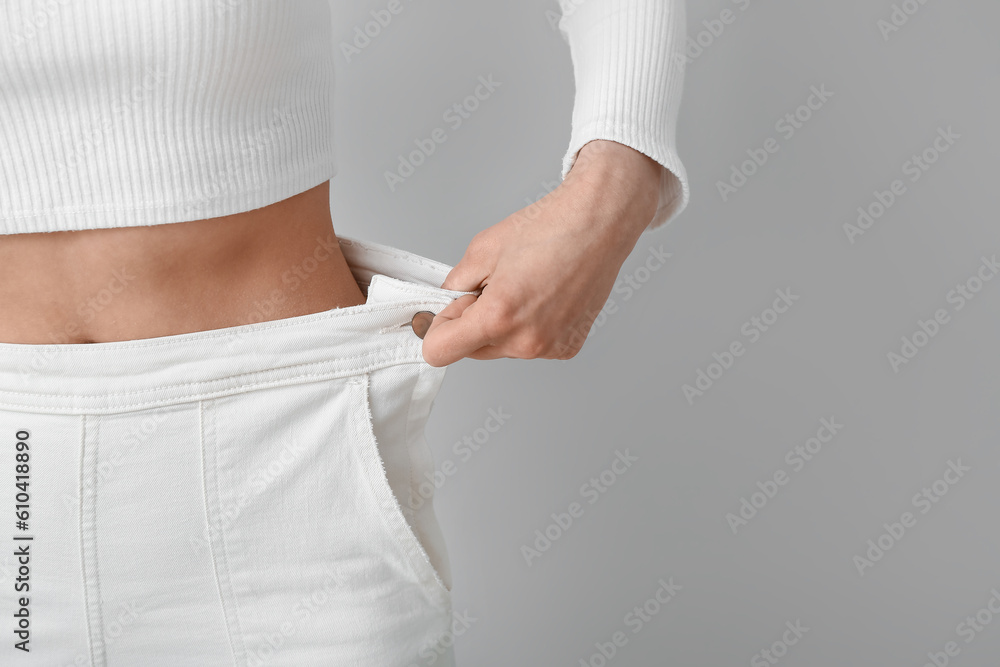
(628,64)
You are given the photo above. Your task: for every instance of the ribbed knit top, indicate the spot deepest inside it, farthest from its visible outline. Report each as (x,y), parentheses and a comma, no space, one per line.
(628,64)
(119,113)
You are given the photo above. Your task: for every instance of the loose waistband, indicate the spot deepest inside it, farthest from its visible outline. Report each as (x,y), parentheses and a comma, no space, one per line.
(97,378)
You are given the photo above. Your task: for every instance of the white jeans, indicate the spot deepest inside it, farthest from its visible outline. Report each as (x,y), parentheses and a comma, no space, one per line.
(240,496)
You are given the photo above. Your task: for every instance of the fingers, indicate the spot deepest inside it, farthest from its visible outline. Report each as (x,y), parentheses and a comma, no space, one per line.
(488,352)
(456,332)
(466,276)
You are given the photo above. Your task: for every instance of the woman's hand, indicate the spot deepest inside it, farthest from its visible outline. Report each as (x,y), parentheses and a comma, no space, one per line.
(547,270)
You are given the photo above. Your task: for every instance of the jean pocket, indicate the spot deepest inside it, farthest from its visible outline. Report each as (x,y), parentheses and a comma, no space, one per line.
(304,534)
(393,503)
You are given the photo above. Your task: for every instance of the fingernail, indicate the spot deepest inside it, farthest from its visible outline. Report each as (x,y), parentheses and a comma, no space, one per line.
(421,322)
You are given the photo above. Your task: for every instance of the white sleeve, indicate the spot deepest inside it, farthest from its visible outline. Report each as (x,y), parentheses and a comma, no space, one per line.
(628,64)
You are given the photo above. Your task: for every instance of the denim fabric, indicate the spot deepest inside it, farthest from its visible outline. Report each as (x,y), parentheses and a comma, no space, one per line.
(239,496)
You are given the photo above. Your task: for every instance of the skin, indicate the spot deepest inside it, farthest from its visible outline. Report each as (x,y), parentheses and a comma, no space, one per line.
(545,271)
(61,287)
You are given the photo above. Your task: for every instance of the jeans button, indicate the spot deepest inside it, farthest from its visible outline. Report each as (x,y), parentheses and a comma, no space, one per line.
(421,322)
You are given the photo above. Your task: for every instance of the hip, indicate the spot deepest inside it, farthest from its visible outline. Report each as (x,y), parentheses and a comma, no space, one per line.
(237,496)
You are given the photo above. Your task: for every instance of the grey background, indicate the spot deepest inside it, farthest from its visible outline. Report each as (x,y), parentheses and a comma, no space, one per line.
(826,357)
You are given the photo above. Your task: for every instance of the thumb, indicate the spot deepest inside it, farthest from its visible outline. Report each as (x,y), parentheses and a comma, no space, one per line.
(451,337)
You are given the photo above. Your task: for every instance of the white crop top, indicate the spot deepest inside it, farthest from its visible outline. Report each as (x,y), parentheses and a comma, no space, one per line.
(118,113)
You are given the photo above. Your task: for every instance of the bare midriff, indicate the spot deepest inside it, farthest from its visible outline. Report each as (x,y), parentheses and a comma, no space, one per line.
(130,283)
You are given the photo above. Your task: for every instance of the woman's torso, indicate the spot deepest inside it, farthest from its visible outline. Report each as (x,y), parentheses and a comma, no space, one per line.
(128,283)
(142,150)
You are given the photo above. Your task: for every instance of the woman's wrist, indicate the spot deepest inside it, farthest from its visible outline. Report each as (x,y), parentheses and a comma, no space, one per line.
(621,184)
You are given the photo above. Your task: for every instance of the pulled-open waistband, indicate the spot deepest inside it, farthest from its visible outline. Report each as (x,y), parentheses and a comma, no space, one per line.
(118,376)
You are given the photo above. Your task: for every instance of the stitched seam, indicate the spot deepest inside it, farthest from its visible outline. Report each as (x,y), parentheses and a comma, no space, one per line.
(198,397)
(422,549)
(408,511)
(391,514)
(229,612)
(83,558)
(88,552)
(208,527)
(352,371)
(97,564)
